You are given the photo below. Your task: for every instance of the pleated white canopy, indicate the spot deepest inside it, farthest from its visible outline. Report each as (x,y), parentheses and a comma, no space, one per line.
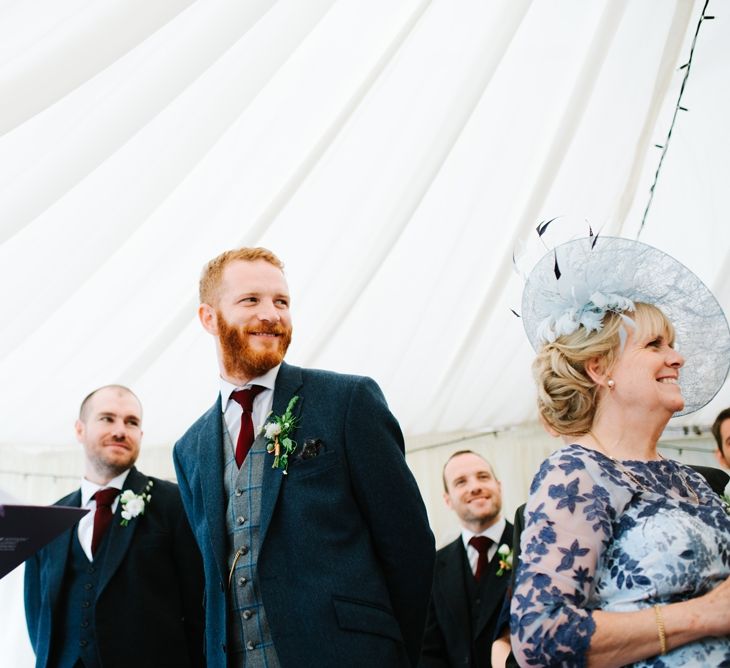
(392,152)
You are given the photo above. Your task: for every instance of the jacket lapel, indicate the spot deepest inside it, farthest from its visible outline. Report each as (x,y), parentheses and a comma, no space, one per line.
(210,465)
(120,537)
(288,383)
(451,579)
(57,554)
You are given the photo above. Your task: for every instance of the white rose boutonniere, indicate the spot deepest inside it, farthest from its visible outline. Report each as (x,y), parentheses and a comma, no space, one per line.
(272,429)
(506,556)
(133,504)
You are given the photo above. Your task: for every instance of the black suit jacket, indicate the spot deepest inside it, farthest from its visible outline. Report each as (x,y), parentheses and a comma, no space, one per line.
(148,609)
(453,637)
(716,478)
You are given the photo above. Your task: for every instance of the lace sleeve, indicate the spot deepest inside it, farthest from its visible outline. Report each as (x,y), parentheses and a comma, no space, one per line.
(567,527)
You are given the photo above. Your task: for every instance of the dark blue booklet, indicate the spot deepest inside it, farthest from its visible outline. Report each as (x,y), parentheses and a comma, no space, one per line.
(26,529)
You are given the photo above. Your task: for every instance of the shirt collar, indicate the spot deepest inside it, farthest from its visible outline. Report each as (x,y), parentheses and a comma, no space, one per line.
(268,380)
(494,532)
(88,488)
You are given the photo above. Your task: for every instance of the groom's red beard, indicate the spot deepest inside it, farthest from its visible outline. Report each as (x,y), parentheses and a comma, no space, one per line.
(239,359)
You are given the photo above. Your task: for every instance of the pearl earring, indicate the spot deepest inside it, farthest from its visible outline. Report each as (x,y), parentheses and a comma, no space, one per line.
(611,383)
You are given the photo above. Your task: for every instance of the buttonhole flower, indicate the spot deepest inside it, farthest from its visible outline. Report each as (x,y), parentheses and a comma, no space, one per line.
(278,430)
(133,504)
(506,556)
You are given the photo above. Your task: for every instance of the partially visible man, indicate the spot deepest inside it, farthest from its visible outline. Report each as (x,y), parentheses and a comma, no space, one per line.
(469,584)
(315,539)
(721,432)
(124,587)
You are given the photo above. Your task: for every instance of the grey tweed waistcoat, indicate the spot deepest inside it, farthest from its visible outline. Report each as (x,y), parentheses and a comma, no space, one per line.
(249,637)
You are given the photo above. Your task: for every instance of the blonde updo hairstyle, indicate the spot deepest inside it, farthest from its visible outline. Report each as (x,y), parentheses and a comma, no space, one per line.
(567,397)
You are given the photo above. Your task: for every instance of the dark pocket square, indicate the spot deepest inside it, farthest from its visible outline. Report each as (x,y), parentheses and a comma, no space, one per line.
(311,448)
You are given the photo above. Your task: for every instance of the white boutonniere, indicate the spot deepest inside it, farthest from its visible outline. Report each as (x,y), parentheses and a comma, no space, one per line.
(278,430)
(506,556)
(134,504)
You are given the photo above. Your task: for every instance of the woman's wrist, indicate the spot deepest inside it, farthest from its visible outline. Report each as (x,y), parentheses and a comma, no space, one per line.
(684,622)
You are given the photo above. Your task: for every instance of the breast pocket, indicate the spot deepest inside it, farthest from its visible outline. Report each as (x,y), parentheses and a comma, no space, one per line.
(157,541)
(304,468)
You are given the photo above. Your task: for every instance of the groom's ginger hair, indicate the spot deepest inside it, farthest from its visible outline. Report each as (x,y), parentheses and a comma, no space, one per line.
(210,279)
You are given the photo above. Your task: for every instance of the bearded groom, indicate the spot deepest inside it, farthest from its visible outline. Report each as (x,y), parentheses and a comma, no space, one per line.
(315,539)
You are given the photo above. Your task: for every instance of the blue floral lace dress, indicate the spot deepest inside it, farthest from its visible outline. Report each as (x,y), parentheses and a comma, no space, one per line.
(594,540)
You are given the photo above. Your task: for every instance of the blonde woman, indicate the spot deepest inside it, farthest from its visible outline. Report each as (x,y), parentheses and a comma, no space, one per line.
(625,554)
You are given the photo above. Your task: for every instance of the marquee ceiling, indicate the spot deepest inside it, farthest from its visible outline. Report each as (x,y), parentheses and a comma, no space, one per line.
(392,152)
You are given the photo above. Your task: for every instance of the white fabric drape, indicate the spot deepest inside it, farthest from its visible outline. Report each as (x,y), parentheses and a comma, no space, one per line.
(392,153)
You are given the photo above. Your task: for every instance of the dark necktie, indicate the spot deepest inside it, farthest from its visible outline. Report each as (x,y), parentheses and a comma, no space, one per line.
(482,545)
(245,436)
(102,515)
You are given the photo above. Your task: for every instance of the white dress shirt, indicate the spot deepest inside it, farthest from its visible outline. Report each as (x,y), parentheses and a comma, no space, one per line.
(86,523)
(494,532)
(262,403)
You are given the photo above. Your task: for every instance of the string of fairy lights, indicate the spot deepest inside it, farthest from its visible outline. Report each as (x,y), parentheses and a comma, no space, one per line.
(678,107)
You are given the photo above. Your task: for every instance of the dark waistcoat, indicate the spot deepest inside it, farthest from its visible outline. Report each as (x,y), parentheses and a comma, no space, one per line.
(75,637)
(476,591)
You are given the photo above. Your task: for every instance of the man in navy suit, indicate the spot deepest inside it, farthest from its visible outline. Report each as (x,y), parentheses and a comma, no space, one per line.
(124,587)
(469,587)
(317,556)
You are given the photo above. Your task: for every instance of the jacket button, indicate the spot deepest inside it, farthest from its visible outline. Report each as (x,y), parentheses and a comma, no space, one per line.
(242,582)
(85,624)
(85,604)
(83,643)
(247,614)
(88,586)
(239,491)
(244,550)
(240,520)
(250,645)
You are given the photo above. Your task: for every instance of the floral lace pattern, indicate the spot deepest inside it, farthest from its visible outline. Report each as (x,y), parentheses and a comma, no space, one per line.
(592,540)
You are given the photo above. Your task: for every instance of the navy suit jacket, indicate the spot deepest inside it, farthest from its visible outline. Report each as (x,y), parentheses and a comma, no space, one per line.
(346,555)
(148,608)
(454,637)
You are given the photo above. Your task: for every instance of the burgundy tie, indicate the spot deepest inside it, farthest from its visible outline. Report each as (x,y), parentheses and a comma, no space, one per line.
(482,545)
(102,515)
(245,436)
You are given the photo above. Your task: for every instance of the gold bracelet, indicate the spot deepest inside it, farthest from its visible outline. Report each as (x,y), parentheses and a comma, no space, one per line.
(660,629)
